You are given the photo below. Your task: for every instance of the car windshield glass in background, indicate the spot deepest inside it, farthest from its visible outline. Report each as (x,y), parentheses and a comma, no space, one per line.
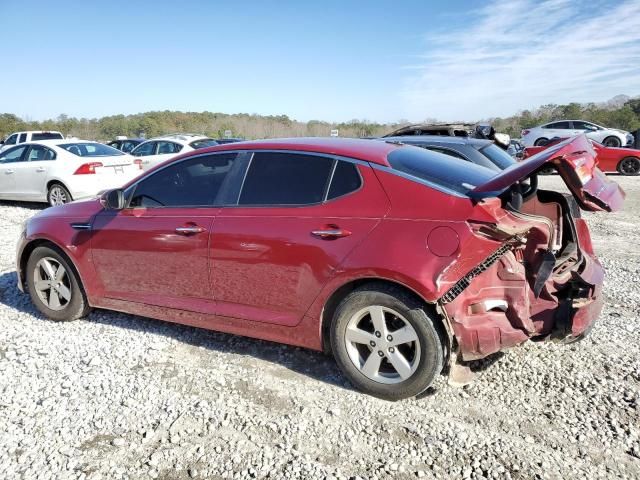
(498,156)
(439,169)
(46,136)
(90,149)
(203,143)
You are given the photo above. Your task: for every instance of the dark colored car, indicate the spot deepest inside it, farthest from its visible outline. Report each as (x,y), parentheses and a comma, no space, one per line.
(398,260)
(443,129)
(127,144)
(481,152)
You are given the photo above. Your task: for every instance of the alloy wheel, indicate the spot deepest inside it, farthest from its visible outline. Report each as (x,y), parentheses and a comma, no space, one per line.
(382,345)
(57,196)
(52,283)
(630,166)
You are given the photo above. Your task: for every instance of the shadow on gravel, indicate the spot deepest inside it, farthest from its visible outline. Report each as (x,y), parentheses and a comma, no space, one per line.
(313,364)
(28,205)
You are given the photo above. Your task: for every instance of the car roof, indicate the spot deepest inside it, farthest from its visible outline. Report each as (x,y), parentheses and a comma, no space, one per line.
(53,142)
(439,139)
(374,152)
(184,137)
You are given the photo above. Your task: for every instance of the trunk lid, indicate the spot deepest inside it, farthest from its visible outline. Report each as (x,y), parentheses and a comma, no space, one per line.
(576,162)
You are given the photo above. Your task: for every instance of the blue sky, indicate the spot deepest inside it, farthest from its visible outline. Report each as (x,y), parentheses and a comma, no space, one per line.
(327,60)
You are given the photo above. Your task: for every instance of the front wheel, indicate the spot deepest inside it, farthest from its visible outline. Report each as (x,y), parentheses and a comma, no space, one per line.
(385,342)
(612,142)
(629,166)
(540,142)
(54,286)
(58,195)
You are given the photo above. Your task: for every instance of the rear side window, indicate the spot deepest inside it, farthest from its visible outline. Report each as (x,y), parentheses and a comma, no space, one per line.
(46,136)
(346,179)
(498,156)
(196,182)
(39,153)
(23,138)
(168,147)
(276,178)
(446,151)
(438,170)
(90,149)
(560,125)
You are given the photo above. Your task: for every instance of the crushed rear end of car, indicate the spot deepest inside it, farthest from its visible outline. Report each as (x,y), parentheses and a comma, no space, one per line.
(529,270)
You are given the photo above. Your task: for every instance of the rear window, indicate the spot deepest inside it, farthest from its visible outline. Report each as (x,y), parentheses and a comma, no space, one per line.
(46,136)
(203,143)
(438,170)
(89,149)
(497,156)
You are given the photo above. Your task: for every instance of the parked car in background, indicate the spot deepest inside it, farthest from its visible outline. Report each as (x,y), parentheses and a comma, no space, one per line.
(127,144)
(157,150)
(396,259)
(625,161)
(515,148)
(59,171)
(609,137)
(223,141)
(481,152)
(29,136)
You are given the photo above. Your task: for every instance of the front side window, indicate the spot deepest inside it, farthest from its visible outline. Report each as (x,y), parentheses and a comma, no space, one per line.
(144,149)
(278,178)
(165,148)
(39,153)
(11,140)
(12,155)
(195,182)
(127,146)
(90,149)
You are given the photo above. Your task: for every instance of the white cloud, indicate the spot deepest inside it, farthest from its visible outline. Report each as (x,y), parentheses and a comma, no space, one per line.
(518,54)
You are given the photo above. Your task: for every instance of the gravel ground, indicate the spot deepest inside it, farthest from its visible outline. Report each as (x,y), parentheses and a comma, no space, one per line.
(116,396)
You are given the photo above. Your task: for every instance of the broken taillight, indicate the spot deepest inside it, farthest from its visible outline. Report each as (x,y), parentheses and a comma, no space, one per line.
(87,168)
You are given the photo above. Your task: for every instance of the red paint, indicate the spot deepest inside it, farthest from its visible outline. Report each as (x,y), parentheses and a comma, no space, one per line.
(260,272)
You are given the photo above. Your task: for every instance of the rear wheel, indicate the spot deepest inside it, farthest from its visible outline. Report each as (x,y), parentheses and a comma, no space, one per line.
(629,166)
(385,342)
(540,142)
(612,142)
(54,286)
(58,195)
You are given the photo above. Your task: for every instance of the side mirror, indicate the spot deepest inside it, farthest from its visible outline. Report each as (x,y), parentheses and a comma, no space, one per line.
(113,199)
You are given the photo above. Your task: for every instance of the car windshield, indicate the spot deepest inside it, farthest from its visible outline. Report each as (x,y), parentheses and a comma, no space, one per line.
(438,169)
(498,156)
(46,136)
(90,149)
(203,143)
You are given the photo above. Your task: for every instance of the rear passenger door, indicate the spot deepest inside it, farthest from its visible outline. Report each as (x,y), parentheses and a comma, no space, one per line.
(295,218)
(31,174)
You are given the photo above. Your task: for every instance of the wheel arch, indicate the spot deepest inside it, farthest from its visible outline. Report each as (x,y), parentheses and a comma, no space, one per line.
(333,300)
(45,242)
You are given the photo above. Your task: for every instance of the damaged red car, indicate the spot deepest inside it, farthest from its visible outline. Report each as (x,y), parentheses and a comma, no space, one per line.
(399,261)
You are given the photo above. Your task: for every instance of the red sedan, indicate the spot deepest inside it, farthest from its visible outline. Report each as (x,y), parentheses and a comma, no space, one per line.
(396,259)
(625,161)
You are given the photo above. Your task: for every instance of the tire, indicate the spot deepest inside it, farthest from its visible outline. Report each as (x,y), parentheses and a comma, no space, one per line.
(58,195)
(421,357)
(612,142)
(43,266)
(629,166)
(540,142)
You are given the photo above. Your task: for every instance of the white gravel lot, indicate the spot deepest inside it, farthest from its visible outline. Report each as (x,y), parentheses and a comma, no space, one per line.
(116,396)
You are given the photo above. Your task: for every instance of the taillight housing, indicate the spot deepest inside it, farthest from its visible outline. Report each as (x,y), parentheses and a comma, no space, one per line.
(524,132)
(87,168)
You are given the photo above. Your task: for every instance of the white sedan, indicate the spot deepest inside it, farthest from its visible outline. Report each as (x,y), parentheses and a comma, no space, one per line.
(155,151)
(59,171)
(609,137)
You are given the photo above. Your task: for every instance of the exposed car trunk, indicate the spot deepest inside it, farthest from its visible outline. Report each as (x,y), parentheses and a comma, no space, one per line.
(542,280)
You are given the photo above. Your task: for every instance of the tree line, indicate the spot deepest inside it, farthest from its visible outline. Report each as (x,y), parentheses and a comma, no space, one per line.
(623,115)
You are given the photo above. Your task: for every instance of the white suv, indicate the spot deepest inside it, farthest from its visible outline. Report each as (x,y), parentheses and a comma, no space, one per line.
(609,137)
(30,136)
(155,151)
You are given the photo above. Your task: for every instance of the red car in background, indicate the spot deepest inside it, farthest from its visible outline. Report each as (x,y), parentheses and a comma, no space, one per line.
(625,161)
(396,259)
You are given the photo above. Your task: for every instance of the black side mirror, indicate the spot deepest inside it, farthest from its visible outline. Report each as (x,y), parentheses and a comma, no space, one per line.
(113,199)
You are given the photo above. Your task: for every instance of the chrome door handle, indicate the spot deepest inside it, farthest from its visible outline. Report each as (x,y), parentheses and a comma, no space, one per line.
(9,172)
(40,169)
(190,230)
(331,233)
